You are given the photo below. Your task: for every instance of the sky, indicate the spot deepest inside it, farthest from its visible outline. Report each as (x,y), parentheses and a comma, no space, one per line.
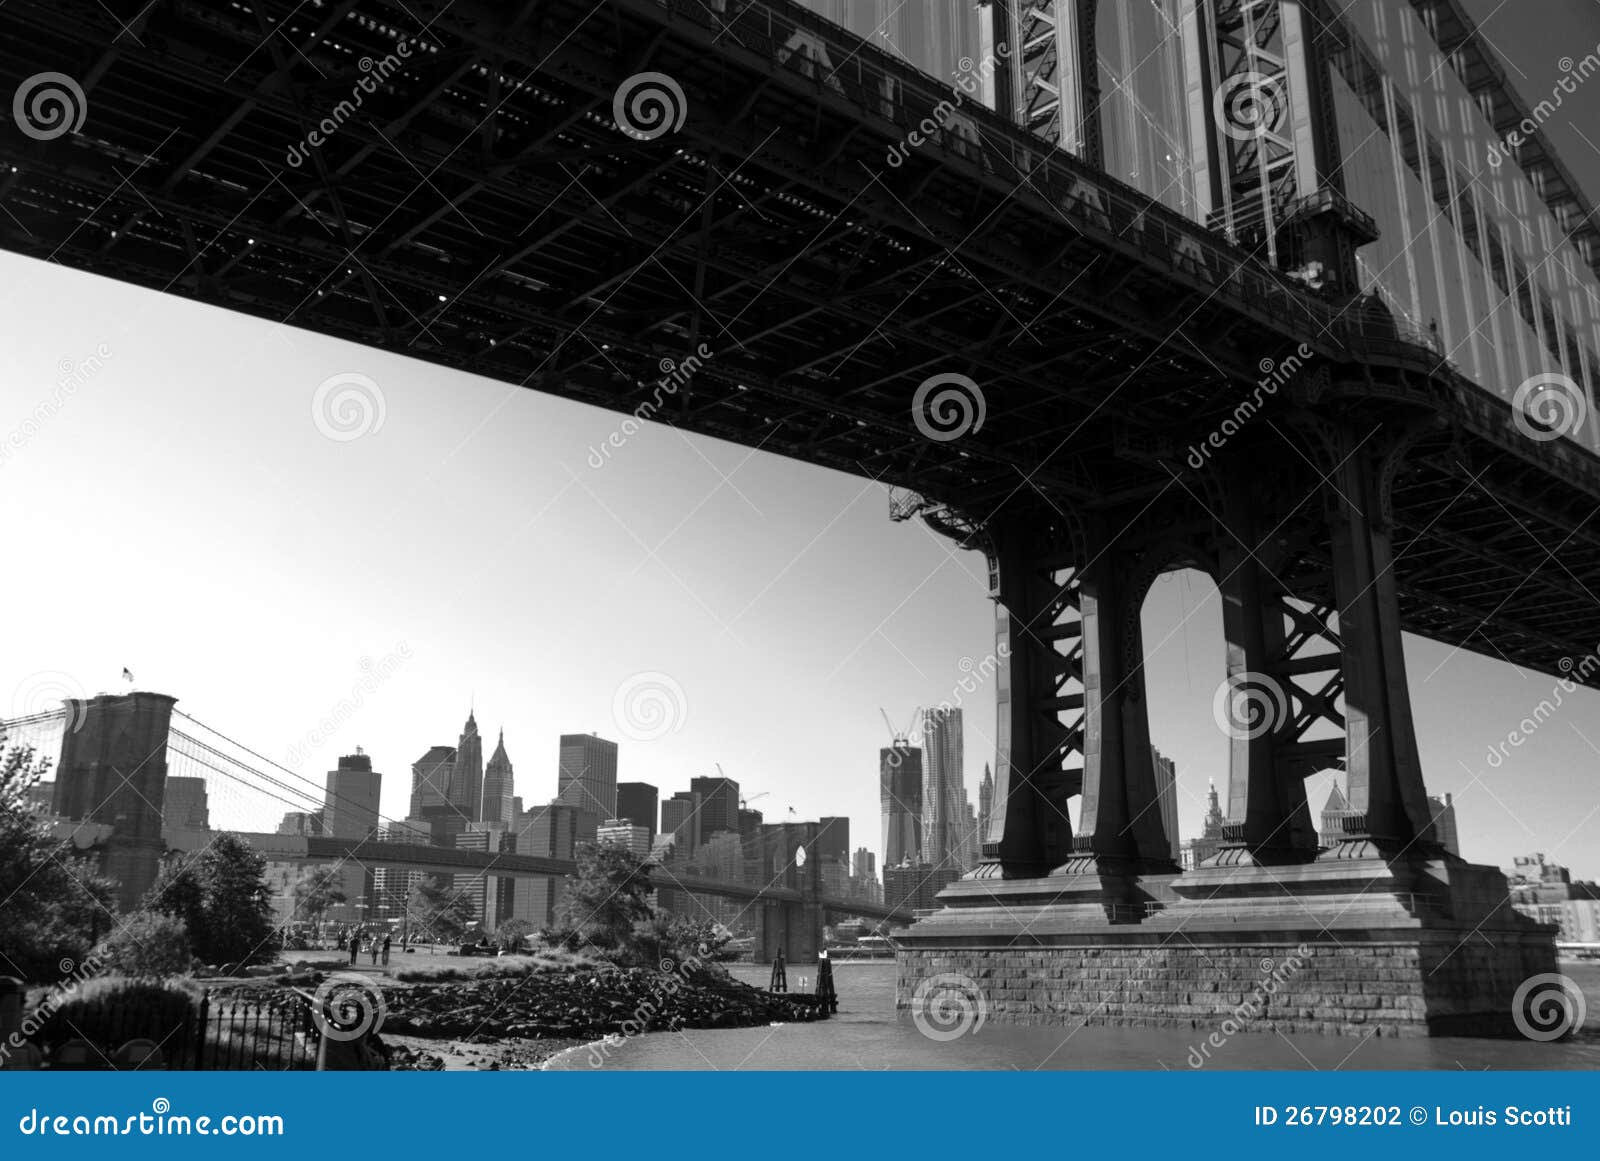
(187,515)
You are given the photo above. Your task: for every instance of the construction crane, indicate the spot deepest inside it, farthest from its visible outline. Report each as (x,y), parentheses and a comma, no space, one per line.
(745,802)
(899,736)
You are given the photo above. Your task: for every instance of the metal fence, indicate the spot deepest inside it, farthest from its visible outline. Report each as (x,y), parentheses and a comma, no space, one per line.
(273,1032)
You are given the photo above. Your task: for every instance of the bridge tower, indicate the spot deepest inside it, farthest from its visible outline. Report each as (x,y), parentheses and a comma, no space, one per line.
(789,861)
(112,775)
(1263,143)
(1314,671)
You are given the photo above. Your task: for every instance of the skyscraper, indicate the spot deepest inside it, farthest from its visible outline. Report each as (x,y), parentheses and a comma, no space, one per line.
(900,796)
(943,794)
(350,807)
(680,818)
(430,779)
(497,778)
(552,832)
(350,810)
(1444,822)
(637,802)
(719,804)
(466,776)
(185,804)
(1167,797)
(985,804)
(833,839)
(587,777)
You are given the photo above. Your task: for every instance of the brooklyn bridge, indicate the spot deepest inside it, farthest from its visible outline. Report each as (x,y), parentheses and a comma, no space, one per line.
(1289,316)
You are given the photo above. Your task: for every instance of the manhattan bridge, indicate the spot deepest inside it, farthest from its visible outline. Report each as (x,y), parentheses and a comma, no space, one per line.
(1292,292)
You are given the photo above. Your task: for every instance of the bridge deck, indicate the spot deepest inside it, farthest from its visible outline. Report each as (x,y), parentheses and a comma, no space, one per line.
(481,210)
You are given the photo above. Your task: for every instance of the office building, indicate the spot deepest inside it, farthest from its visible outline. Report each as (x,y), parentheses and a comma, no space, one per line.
(587,775)
(864,876)
(1545,892)
(466,775)
(430,779)
(900,796)
(719,805)
(833,839)
(497,777)
(625,834)
(350,810)
(350,807)
(185,806)
(944,797)
(552,832)
(1444,823)
(301,822)
(638,802)
(680,818)
(916,886)
(1166,773)
(482,888)
(985,805)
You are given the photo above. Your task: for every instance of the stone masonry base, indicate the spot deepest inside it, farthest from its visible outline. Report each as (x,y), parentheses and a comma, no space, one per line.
(1328,960)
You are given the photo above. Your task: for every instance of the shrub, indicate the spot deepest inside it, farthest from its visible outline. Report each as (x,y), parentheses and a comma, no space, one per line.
(147,943)
(112,1010)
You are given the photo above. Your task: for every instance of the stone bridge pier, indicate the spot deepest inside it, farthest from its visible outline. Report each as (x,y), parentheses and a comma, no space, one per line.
(794,928)
(1381,930)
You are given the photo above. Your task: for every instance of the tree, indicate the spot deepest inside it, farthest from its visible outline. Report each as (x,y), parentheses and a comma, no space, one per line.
(440,909)
(148,943)
(511,934)
(313,896)
(221,895)
(606,898)
(54,904)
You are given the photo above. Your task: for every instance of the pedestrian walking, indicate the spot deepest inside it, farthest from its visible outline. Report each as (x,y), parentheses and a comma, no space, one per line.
(355,946)
(386,941)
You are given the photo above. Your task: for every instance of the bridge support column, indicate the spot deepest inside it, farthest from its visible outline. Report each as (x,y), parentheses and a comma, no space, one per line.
(1314,673)
(1071,718)
(1389,812)
(792,927)
(1119,821)
(1276,688)
(1038,641)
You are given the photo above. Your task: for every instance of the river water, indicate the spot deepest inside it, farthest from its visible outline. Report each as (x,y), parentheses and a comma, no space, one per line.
(868,1034)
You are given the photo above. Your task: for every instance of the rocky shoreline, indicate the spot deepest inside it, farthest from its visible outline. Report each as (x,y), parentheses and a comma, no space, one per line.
(586,1004)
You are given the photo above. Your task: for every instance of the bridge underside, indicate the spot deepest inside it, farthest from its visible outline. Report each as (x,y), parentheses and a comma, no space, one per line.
(481,210)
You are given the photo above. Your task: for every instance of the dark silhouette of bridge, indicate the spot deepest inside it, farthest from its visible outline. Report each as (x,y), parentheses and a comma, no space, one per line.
(481,207)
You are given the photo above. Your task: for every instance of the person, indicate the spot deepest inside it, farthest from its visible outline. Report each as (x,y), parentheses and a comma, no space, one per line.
(372,945)
(386,941)
(355,946)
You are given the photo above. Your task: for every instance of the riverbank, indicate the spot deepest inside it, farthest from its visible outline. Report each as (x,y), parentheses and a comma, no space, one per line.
(523,1022)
